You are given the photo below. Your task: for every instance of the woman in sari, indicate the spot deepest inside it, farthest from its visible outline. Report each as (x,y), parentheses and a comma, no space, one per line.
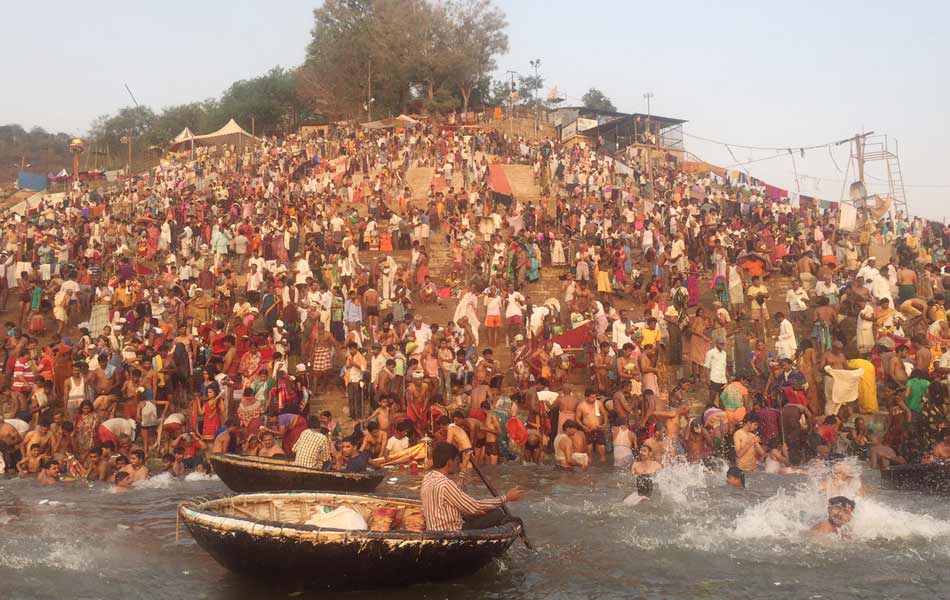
(692,285)
(648,370)
(532,269)
(867,389)
(249,364)
(207,413)
(152,237)
(249,412)
(86,427)
(422,268)
(290,426)
(699,342)
(807,364)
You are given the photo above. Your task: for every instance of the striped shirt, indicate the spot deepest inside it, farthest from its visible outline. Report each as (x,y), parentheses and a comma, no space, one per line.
(444,503)
(311,449)
(23,375)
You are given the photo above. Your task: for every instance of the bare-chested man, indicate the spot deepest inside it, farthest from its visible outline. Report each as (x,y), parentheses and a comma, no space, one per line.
(592,417)
(645,463)
(374,442)
(456,435)
(269,446)
(41,436)
(10,441)
(227,440)
(106,389)
(566,407)
(137,469)
(371,308)
(883,456)
(806,270)
(492,429)
(906,283)
(603,361)
(566,455)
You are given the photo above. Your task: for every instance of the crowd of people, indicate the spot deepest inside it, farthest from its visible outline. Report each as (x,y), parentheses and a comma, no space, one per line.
(222,302)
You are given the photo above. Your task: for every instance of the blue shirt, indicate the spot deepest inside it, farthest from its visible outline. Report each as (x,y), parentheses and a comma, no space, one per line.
(352,312)
(357,464)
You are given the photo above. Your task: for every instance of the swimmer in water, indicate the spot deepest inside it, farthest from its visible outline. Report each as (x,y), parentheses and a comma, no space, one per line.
(735,478)
(840,511)
(645,465)
(123,481)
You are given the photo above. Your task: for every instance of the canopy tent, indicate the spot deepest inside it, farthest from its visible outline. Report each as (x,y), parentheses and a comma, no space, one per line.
(185,136)
(231,133)
(400,122)
(498,183)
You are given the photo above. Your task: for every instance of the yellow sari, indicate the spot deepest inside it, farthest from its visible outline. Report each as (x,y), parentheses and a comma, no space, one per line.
(867,388)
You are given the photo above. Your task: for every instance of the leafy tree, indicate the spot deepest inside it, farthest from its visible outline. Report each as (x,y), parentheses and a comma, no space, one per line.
(596,100)
(271,99)
(398,51)
(35,150)
(477,37)
(529,87)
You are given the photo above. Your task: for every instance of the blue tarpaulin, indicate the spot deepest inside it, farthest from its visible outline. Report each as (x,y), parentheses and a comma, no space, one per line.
(31,181)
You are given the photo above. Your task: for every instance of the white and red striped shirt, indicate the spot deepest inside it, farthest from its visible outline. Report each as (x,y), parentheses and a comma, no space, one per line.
(23,375)
(444,503)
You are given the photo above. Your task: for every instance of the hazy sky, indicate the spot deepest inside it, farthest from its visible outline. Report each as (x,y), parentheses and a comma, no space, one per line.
(748,73)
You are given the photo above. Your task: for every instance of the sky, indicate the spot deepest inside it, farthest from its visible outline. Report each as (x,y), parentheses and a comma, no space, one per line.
(764,74)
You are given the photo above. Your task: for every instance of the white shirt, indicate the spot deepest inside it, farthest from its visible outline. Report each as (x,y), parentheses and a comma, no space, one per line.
(786,345)
(796,299)
(394,445)
(618,333)
(716,363)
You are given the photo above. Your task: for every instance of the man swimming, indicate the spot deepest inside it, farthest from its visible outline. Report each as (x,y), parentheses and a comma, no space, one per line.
(840,511)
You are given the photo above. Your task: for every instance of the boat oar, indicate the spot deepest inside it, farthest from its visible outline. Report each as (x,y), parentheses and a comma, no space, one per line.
(504,507)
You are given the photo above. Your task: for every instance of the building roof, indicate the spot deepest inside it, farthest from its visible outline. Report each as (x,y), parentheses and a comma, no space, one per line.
(629,120)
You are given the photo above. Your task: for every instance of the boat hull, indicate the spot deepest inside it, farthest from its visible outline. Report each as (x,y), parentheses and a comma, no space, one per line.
(341,560)
(249,474)
(929,479)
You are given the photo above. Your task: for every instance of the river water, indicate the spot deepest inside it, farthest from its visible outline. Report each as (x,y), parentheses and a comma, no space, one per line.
(694,539)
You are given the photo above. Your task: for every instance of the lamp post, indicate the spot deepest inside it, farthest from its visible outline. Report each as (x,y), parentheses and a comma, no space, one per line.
(648,96)
(76,146)
(536,65)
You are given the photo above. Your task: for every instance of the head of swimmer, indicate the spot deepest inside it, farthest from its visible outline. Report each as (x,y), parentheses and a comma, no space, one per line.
(840,510)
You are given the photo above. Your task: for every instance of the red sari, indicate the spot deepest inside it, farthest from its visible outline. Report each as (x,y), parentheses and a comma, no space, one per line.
(295,427)
(206,418)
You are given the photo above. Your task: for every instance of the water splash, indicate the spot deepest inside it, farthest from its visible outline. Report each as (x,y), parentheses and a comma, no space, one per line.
(201,477)
(58,556)
(676,481)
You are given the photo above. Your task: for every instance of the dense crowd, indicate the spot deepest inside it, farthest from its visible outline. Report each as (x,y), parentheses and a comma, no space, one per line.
(218,302)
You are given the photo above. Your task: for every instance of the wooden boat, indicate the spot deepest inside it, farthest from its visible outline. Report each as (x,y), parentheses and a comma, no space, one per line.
(259,474)
(266,536)
(932,478)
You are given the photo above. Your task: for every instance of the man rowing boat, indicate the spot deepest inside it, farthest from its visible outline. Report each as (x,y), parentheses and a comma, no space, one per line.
(447,508)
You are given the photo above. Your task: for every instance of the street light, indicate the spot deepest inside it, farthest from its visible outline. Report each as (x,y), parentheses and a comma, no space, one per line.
(536,65)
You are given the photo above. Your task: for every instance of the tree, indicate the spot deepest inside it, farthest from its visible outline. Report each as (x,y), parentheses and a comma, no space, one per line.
(477,37)
(115,131)
(36,150)
(271,99)
(596,100)
(528,88)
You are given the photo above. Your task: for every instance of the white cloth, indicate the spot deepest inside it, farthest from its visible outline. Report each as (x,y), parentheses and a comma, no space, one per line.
(786,345)
(715,361)
(844,389)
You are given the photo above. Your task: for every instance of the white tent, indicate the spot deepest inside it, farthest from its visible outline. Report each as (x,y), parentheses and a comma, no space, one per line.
(400,122)
(185,136)
(231,133)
